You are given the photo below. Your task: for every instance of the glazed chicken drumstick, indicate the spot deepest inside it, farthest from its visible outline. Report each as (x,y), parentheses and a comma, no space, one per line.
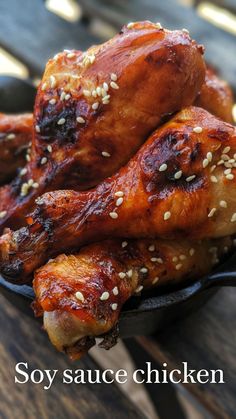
(181,183)
(15,137)
(216,96)
(81,296)
(94,110)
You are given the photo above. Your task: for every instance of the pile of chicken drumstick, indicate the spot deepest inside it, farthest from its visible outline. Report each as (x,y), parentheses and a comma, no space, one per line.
(128,181)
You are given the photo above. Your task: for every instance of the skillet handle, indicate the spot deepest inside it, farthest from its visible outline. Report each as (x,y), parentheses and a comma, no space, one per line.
(225,275)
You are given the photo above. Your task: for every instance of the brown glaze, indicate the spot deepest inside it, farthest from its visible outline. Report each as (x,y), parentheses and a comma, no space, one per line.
(66,220)
(15,136)
(107,274)
(158,72)
(216,96)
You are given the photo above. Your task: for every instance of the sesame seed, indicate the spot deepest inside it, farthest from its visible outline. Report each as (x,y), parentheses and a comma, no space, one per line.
(224,157)
(191,251)
(212,212)
(130,25)
(189,178)
(174,259)
(231,161)
(154,259)
(114,85)
(197,130)
(178,174)
(86,93)
(67,96)
(212,168)
(92,58)
(179,266)
(155,280)
(220,162)
(119,201)
(44,85)
(52,101)
(105,295)
(119,193)
(167,215)
(99,91)
(105,86)
(105,154)
(122,275)
(35,185)
(24,189)
(115,291)
(140,288)
(79,296)
(230,176)
(106,98)
(52,81)
(160,260)
(209,156)
(158,25)
(94,93)
(28,158)
(223,204)
(129,273)
(61,121)
(114,306)
(113,215)
(95,105)
(104,92)
(226,150)
(105,102)
(124,244)
(23,171)
(214,179)
(2,214)
(63,94)
(227,171)
(233,218)
(151,248)
(113,77)
(44,160)
(49,148)
(80,120)
(144,270)
(11,136)
(71,55)
(182,257)
(30,182)
(185,30)
(227,164)
(205,163)
(163,167)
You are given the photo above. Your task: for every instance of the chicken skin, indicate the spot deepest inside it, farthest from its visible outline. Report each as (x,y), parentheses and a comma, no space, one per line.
(94,110)
(81,296)
(216,96)
(181,183)
(15,137)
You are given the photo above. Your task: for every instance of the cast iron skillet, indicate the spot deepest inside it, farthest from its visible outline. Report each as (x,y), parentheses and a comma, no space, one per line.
(141,315)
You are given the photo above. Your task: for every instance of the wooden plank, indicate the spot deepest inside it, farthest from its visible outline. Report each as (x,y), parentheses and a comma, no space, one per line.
(33,34)
(23,340)
(205,340)
(220,45)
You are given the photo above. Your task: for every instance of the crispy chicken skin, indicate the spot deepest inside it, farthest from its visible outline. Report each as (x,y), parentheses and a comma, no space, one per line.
(216,96)
(181,183)
(81,296)
(15,136)
(94,110)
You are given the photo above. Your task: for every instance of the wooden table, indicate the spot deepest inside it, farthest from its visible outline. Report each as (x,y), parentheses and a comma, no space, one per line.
(206,339)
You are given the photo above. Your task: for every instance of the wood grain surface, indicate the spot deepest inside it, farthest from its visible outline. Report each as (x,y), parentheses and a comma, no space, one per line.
(22,340)
(206,340)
